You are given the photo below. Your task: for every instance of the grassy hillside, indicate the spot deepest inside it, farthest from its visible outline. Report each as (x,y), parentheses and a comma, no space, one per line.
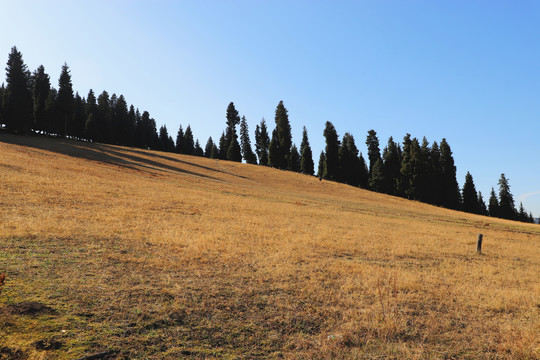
(144,254)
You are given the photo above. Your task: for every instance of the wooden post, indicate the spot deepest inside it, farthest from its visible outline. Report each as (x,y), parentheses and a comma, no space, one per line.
(479,244)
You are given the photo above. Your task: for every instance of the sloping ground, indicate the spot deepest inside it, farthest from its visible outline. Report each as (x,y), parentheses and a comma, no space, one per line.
(140,254)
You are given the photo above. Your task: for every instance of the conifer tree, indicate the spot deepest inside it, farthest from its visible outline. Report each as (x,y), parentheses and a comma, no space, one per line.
(348,161)
(223,147)
(17,95)
(64,102)
(507,208)
(450,188)
(2,93)
(321,169)
(482,204)
(180,140)
(132,126)
(294,159)
(79,117)
(103,117)
(522,214)
(163,138)
(306,156)
(274,153)
(436,176)
(376,180)
(363,172)
(391,167)
(208,148)
(122,129)
(90,127)
(493,205)
(41,89)
(262,142)
(331,151)
(471,203)
(198,151)
(189,144)
(405,178)
(283,137)
(233,151)
(247,152)
(374,153)
(51,113)
(423,173)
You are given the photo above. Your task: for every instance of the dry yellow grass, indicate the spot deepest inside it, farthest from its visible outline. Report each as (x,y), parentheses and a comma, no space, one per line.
(157,255)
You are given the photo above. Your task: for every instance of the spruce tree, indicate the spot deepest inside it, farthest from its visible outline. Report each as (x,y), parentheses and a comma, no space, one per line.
(51,113)
(306,156)
(274,152)
(122,129)
(522,214)
(436,175)
(180,140)
(374,153)
(507,209)
(223,147)
(405,178)
(208,148)
(348,161)
(189,144)
(2,94)
(163,138)
(493,205)
(90,127)
(331,151)
(482,204)
(450,187)
(103,117)
(233,151)
(321,169)
(79,117)
(198,151)
(392,166)
(294,159)
(376,180)
(423,173)
(283,136)
(262,142)
(41,89)
(65,102)
(247,152)
(18,95)
(363,172)
(471,203)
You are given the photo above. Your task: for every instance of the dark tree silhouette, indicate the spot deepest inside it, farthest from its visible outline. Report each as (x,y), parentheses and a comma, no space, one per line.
(189,144)
(493,205)
(294,159)
(17,95)
(321,169)
(349,163)
(507,209)
(233,151)
(374,153)
(262,142)
(247,152)
(282,138)
(471,203)
(306,156)
(331,151)
(180,140)
(392,166)
(41,89)
(64,102)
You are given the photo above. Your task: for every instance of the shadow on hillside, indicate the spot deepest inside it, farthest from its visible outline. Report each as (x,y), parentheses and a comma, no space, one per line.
(95,152)
(168,158)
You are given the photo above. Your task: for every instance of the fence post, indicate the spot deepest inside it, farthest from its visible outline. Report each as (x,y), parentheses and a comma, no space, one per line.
(479,244)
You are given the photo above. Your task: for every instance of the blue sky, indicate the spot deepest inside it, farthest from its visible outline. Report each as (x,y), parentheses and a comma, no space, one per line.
(468,71)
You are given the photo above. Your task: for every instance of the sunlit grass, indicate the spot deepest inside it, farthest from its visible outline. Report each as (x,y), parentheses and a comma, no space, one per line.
(158,255)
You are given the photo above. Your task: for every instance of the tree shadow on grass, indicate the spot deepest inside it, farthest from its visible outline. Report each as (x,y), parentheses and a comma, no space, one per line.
(96,152)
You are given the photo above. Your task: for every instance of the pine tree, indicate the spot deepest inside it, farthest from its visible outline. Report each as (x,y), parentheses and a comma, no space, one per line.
(306,156)
(262,142)
(163,138)
(493,205)
(65,102)
(274,153)
(405,178)
(392,166)
(348,161)
(122,129)
(331,151)
(321,169)
(294,159)
(423,173)
(247,152)
(223,147)
(363,172)
(522,214)
(180,140)
(79,117)
(233,151)
(374,153)
(189,144)
(283,136)
(450,188)
(482,204)
(17,96)
(208,148)
(132,126)
(51,113)
(507,208)
(41,89)
(198,151)
(2,94)
(376,180)
(103,117)
(436,175)
(471,203)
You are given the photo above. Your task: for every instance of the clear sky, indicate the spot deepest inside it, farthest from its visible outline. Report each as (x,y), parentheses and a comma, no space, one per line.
(468,71)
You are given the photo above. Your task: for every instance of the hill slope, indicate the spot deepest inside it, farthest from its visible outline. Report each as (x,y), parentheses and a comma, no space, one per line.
(157,255)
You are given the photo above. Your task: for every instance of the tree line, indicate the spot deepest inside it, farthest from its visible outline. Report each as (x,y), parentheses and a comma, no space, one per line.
(413,169)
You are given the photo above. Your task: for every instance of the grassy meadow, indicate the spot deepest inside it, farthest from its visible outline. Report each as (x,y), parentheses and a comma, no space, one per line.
(148,255)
